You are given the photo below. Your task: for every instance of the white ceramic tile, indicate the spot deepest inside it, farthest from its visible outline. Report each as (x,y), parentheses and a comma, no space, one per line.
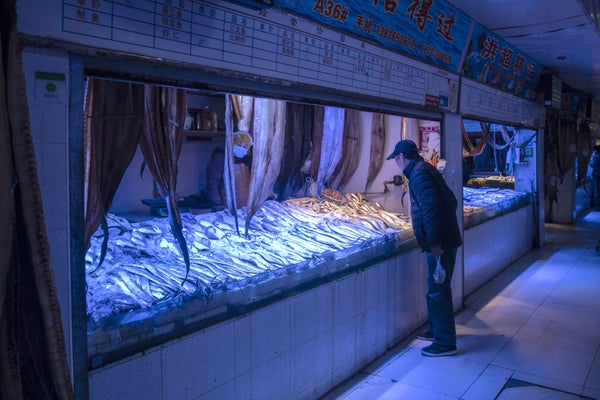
(52,165)
(580,338)
(533,392)
(243,386)
(242,345)
(488,384)
(532,330)
(371,285)
(311,314)
(190,366)
(223,392)
(381,388)
(271,380)
(382,281)
(382,325)
(548,382)
(312,362)
(481,347)
(431,373)
(593,378)
(270,332)
(577,293)
(575,315)
(370,331)
(591,393)
(390,357)
(545,361)
(133,378)
(344,299)
(509,307)
(344,342)
(502,319)
(347,387)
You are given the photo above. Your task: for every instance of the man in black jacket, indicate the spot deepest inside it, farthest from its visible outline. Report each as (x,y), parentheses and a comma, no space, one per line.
(433,215)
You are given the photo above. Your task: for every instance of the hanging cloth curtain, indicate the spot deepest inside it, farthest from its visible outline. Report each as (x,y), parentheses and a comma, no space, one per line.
(470,150)
(113,123)
(161,142)
(33,362)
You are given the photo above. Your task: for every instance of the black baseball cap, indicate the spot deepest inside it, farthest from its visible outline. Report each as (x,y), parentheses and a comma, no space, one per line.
(406,147)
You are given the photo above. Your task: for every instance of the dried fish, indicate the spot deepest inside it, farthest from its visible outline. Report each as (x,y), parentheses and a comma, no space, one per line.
(269,125)
(377,147)
(331,145)
(350,149)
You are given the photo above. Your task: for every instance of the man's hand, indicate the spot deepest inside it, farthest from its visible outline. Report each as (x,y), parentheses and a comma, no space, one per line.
(437,250)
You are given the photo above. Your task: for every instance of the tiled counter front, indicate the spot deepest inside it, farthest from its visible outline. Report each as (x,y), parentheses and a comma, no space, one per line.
(494,245)
(298,348)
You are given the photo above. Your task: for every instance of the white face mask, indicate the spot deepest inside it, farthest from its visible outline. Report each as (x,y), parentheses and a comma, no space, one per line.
(239,151)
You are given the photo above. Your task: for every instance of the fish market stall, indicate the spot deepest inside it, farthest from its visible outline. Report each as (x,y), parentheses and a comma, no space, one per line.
(143,291)
(485,203)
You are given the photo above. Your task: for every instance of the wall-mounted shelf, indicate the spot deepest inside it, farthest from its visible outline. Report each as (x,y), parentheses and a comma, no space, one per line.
(202,136)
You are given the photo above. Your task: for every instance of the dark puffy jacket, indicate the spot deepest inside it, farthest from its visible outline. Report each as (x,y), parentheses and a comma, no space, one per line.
(214,179)
(433,206)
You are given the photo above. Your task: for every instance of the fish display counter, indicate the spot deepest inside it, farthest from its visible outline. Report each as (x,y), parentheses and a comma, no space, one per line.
(497,231)
(484,203)
(143,290)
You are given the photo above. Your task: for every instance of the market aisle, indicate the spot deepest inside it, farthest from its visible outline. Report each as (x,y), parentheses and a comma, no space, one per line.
(533,332)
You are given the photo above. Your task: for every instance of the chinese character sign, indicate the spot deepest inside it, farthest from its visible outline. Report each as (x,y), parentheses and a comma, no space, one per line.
(431,30)
(492,61)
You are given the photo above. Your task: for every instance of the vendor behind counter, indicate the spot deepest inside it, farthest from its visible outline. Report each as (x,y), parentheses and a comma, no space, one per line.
(215,187)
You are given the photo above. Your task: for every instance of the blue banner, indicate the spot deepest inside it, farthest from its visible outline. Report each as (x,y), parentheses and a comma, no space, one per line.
(492,61)
(430,30)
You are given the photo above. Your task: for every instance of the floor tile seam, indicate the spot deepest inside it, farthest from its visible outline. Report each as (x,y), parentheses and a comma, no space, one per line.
(595,360)
(427,388)
(481,374)
(561,349)
(547,379)
(578,392)
(498,352)
(549,294)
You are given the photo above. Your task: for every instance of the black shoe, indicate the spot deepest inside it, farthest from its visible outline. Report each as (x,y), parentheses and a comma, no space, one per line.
(427,336)
(436,350)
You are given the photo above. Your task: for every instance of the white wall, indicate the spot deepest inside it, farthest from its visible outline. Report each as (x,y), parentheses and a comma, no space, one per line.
(452,153)
(48,118)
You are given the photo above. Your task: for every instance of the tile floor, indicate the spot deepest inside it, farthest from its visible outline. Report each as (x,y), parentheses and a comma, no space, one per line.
(532,332)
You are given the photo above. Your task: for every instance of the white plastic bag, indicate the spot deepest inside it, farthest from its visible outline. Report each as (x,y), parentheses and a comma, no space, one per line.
(439,274)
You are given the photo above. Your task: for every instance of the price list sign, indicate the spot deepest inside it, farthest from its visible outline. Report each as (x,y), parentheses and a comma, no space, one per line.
(263,42)
(480,100)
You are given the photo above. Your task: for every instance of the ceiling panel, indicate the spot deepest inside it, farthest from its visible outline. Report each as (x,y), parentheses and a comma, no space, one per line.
(560,34)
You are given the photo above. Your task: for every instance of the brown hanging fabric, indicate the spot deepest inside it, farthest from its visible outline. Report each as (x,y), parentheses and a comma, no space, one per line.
(33,363)
(161,143)
(113,123)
